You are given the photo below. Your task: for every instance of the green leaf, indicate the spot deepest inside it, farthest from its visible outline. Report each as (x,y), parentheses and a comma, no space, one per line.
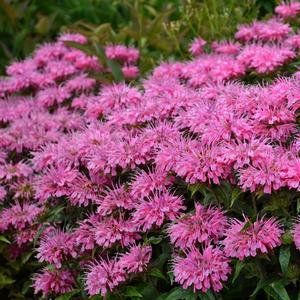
(115,70)
(131,291)
(277,291)
(154,240)
(284,258)
(235,195)
(238,268)
(84,48)
(4,239)
(155,272)
(68,295)
(194,188)
(179,294)
(262,284)
(5,280)
(298,205)
(25,257)
(246,226)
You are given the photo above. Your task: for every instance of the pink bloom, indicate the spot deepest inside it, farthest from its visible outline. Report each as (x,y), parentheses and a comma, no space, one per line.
(53,282)
(2,194)
(204,225)
(122,53)
(73,37)
(130,72)
(145,183)
(136,260)
(103,276)
(56,182)
(20,215)
(288,10)
(196,47)
(226,47)
(55,247)
(202,270)
(242,241)
(266,58)
(10,171)
(157,209)
(115,198)
(110,230)
(296,234)
(270,30)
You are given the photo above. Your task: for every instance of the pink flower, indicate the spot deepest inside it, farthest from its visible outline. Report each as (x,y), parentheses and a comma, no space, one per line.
(130,72)
(196,47)
(10,171)
(205,225)
(296,233)
(226,47)
(266,58)
(145,183)
(53,282)
(20,215)
(136,260)
(73,37)
(2,194)
(122,53)
(242,240)
(288,9)
(103,276)
(55,247)
(110,230)
(202,270)
(56,182)
(157,209)
(115,198)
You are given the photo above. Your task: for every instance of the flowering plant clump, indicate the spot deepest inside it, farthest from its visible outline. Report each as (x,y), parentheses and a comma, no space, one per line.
(180,185)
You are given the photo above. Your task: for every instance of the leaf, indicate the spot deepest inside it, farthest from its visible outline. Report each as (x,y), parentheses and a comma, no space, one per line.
(4,239)
(277,291)
(298,205)
(238,268)
(26,257)
(194,188)
(246,226)
(235,195)
(262,284)
(116,70)
(154,240)
(155,272)
(131,291)
(179,294)
(68,295)
(83,48)
(284,258)
(5,280)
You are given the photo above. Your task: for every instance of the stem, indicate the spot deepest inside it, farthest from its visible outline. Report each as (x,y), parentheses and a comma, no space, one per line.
(254,204)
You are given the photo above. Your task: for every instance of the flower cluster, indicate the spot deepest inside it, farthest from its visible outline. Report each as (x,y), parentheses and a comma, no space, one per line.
(90,172)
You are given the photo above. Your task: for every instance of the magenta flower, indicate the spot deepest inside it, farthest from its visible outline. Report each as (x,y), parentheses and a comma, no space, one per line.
(103,276)
(55,247)
(288,9)
(202,270)
(136,260)
(261,236)
(196,47)
(157,209)
(296,234)
(51,282)
(205,225)
(20,215)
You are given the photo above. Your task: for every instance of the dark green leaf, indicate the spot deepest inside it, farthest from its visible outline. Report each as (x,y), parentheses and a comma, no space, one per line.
(68,295)
(284,258)
(179,294)
(155,272)
(277,291)
(235,195)
(4,239)
(131,291)
(116,70)
(262,284)
(154,240)
(5,280)
(238,268)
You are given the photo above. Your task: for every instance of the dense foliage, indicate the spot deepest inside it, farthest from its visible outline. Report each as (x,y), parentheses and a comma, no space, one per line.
(180,184)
